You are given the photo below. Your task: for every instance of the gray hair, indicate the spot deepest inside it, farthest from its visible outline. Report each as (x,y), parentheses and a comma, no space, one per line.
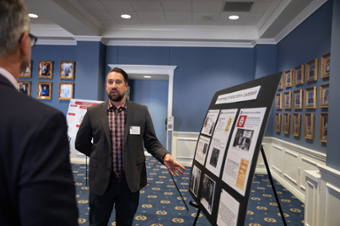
(14,21)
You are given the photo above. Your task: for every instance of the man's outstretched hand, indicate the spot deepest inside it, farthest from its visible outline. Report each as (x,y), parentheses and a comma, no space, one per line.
(172,165)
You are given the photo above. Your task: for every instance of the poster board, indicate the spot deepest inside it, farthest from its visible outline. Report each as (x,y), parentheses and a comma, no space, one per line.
(227,149)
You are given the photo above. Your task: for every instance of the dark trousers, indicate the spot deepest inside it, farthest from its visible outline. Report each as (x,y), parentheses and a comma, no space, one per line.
(119,195)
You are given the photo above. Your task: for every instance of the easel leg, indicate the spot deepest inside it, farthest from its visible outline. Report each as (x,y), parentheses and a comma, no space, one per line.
(198,212)
(272,182)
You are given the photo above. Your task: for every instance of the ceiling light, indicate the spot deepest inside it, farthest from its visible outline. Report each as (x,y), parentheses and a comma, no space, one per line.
(147,76)
(234,17)
(33,15)
(125,16)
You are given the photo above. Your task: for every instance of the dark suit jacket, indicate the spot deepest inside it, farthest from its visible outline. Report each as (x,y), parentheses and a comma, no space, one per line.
(36,182)
(96,125)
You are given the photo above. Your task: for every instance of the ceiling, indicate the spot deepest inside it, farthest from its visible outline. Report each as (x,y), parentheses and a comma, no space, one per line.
(168,22)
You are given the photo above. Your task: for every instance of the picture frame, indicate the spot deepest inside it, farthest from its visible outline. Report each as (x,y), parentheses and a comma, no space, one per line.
(299,75)
(45,69)
(44,90)
(24,87)
(312,70)
(286,123)
(309,126)
(278,101)
(296,124)
(288,78)
(287,100)
(278,122)
(310,97)
(28,72)
(325,65)
(281,83)
(66,90)
(323,127)
(324,96)
(297,99)
(67,69)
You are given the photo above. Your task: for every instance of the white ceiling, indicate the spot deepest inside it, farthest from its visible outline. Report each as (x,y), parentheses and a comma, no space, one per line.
(166,22)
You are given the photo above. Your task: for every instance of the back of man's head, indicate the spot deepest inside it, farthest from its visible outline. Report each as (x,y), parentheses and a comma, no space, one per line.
(14,21)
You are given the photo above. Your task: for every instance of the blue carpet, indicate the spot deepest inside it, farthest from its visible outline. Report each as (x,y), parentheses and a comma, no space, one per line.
(161,204)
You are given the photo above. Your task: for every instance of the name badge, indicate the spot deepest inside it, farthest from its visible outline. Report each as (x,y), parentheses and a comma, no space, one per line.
(135,130)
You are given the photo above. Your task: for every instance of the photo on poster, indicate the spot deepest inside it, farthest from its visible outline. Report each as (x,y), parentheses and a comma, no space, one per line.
(242,147)
(228,210)
(210,122)
(208,193)
(195,180)
(219,141)
(201,149)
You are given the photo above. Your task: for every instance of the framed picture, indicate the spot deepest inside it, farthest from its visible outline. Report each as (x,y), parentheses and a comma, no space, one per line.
(281,83)
(310,97)
(309,126)
(299,75)
(323,127)
(45,69)
(286,123)
(324,96)
(296,124)
(297,99)
(24,87)
(287,100)
(44,90)
(66,90)
(325,65)
(278,101)
(312,70)
(278,122)
(28,72)
(66,69)
(288,78)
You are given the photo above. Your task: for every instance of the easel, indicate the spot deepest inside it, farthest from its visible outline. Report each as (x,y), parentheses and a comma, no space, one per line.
(274,190)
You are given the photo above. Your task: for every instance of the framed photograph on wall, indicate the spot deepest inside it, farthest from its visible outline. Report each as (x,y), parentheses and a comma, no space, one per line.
(281,83)
(324,96)
(288,78)
(286,123)
(278,101)
(325,65)
(66,69)
(278,122)
(287,100)
(44,90)
(312,70)
(323,127)
(28,72)
(299,75)
(66,90)
(310,97)
(297,99)
(296,124)
(309,126)
(45,69)
(24,87)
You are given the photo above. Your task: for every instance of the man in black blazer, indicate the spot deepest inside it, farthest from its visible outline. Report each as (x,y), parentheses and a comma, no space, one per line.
(36,182)
(118,128)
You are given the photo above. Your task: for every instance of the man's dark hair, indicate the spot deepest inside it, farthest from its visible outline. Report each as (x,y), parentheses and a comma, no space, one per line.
(119,70)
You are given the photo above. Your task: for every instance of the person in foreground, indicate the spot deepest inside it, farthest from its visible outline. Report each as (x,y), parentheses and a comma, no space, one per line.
(117,162)
(36,181)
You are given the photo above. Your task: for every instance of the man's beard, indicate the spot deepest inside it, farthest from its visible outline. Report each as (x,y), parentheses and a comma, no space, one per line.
(116,97)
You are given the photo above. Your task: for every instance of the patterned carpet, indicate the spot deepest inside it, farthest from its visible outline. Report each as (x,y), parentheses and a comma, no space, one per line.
(161,204)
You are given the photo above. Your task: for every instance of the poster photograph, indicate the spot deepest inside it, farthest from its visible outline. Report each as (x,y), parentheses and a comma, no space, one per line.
(209,122)
(286,123)
(66,90)
(219,141)
(44,90)
(298,75)
(310,97)
(312,70)
(287,100)
(323,127)
(297,99)
(324,96)
(278,122)
(45,69)
(325,65)
(242,147)
(296,124)
(228,210)
(28,72)
(208,193)
(195,180)
(67,70)
(24,87)
(288,79)
(309,126)
(202,149)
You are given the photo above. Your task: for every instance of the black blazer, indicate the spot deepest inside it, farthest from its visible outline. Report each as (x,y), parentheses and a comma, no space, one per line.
(96,125)
(36,182)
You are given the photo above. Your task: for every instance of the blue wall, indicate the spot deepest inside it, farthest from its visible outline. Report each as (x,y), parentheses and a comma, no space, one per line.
(310,40)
